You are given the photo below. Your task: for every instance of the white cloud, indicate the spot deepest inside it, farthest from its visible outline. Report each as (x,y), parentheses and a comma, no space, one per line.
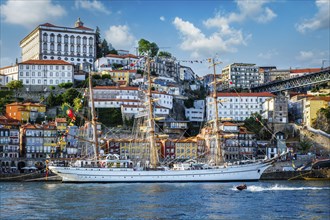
(305,55)
(162,18)
(321,19)
(120,37)
(254,10)
(93,5)
(268,54)
(313,58)
(30,13)
(225,38)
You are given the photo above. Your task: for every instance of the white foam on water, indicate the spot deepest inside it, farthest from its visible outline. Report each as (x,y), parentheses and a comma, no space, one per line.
(254,188)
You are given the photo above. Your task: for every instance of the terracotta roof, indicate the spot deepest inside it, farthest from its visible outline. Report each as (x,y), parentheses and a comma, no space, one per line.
(307,70)
(46,62)
(244,94)
(324,98)
(122,56)
(80,27)
(34,104)
(15,103)
(116,88)
(229,124)
(60,120)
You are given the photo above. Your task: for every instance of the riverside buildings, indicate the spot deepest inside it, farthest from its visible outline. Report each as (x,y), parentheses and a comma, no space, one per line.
(236,106)
(75,45)
(241,75)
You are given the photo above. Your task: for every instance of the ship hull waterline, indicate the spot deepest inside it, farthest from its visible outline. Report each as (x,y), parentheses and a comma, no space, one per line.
(107,175)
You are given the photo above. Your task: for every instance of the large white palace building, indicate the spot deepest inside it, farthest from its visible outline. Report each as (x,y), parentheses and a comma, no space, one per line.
(49,42)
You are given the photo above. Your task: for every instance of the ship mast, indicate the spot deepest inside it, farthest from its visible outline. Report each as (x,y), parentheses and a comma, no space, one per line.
(94,120)
(218,156)
(151,121)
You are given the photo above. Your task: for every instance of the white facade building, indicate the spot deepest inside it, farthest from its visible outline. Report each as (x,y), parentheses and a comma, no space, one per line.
(106,63)
(236,106)
(8,74)
(49,42)
(241,75)
(41,73)
(197,112)
(129,99)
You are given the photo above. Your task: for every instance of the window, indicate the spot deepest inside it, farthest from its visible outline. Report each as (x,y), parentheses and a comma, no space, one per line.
(59,47)
(59,38)
(78,40)
(90,41)
(52,38)
(66,39)
(71,39)
(84,40)
(45,35)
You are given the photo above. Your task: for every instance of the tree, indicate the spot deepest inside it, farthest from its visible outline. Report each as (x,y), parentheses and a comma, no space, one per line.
(105,47)
(69,96)
(253,124)
(305,145)
(65,85)
(51,100)
(106,76)
(145,47)
(164,54)
(15,85)
(98,43)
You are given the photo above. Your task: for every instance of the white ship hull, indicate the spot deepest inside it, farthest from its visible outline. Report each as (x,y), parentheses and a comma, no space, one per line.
(249,172)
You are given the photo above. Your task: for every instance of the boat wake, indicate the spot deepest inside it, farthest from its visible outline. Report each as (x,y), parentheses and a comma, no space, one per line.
(254,188)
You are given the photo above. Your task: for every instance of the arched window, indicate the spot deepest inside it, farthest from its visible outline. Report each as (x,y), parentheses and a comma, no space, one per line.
(84,40)
(71,39)
(44,39)
(91,41)
(66,39)
(78,40)
(52,36)
(59,38)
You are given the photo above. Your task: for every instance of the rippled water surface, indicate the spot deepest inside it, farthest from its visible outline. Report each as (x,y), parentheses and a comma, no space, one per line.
(262,200)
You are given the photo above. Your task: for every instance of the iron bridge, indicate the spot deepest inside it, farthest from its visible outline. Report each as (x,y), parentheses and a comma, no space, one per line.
(305,81)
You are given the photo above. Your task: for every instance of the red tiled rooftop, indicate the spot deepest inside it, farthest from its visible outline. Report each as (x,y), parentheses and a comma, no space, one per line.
(46,62)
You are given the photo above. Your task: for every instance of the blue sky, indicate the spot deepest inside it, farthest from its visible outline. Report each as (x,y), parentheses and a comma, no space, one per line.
(280,33)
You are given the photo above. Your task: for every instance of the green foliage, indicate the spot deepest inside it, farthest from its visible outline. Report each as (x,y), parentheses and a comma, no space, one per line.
(96,76)
(52,87)
(105,47)
(140,72)
(110,117)
(113,51)
(253,124)
(145,47)
(164,54)
(106,76)
(305,145)
(189,103)
(98,43)
(69,96)
(15,84)
(77,104)
(117,65)
(51,100)
(65,85)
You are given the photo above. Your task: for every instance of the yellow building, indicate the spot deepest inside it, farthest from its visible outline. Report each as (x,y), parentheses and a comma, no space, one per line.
(121,77)
(312,105)
(186,148)
(25,111)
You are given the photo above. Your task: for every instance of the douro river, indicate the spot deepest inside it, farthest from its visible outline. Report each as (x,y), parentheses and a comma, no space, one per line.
(261,200)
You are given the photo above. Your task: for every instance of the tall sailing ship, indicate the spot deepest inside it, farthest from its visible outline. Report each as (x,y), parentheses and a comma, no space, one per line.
(113,168)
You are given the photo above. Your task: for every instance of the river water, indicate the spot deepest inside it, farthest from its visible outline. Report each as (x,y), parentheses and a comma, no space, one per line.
(261,200)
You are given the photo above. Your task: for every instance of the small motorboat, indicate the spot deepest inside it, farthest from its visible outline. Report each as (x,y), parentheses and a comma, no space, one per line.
(241,187)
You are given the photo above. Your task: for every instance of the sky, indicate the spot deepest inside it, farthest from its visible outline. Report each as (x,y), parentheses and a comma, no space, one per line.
(281,33)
